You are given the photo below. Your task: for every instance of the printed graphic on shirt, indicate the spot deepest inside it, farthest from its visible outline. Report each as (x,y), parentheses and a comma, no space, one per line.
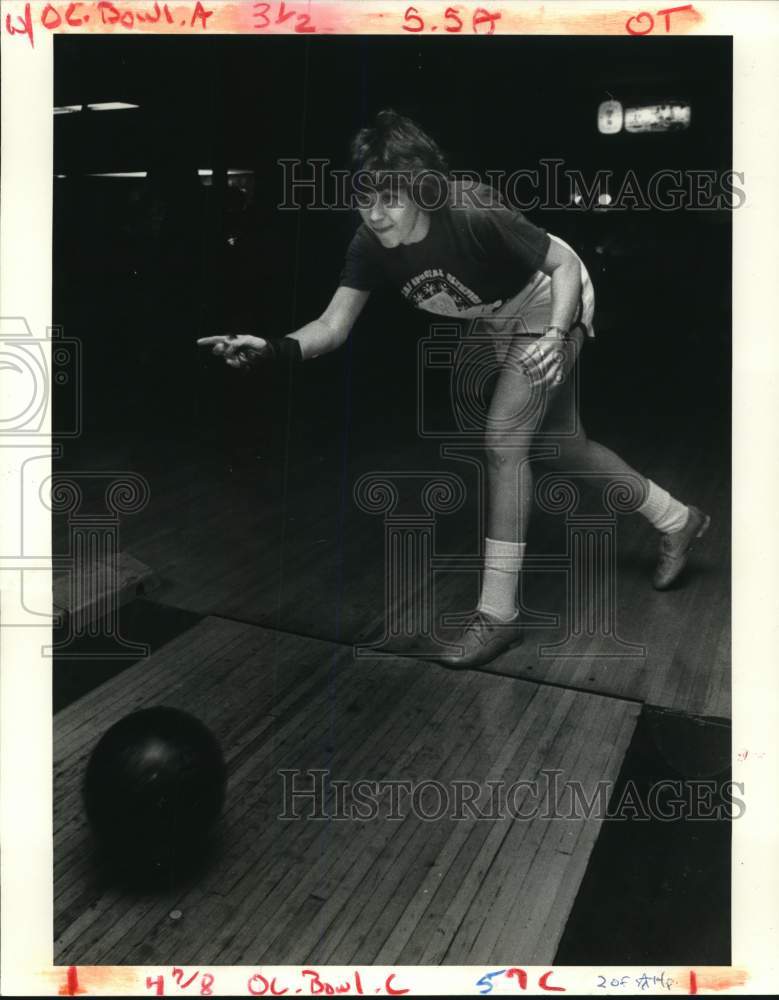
(442,293)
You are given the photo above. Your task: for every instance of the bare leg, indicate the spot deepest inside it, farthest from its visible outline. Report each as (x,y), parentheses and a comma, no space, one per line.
(521,414)
(517,408)
(578,453)
(507,444)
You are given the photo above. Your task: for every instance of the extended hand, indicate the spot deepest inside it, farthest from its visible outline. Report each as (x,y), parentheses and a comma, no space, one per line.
(238,350)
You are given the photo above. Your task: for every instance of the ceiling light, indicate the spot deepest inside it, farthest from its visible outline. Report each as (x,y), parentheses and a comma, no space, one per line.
(230,173)
(122,173)
(112,106)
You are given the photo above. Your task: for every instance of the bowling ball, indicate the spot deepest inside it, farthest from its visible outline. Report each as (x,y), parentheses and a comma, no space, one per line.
(153,789)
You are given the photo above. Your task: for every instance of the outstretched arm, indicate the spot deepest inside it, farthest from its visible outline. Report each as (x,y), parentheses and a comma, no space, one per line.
(333,327)
(321,335)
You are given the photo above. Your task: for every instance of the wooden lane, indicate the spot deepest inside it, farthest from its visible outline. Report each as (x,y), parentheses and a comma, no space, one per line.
(353,889)
(283,544)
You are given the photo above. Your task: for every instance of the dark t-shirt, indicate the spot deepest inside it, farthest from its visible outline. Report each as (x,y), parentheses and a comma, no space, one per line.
(477,254)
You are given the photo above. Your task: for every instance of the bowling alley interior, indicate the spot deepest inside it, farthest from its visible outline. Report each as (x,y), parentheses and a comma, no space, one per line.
(266,563)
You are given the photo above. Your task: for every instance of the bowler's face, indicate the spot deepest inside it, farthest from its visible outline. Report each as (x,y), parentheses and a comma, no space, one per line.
(393,217)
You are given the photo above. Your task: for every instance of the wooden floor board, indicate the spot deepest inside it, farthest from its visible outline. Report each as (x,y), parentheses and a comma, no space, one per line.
(347,867)
(546,934)
(285,541)
(463,909)
(337,890)
(262,862)
(256,856)
(255,679)
(537,891)
(390,851)
(520,852)
(405,870)
(460,849)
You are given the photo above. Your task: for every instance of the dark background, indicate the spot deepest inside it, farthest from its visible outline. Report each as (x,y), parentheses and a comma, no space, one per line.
(144,266)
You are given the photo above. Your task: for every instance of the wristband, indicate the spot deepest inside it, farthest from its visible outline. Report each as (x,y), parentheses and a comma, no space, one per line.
(563,334)
(284,350)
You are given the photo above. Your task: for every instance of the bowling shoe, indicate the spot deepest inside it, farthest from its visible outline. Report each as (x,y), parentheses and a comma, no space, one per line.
(483,638)
(676,546)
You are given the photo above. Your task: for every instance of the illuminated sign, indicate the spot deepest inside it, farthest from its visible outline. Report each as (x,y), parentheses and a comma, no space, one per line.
(610,117)
(670,117)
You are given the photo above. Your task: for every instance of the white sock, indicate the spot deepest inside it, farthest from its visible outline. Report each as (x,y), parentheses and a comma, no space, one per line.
(661,510)
(502,564)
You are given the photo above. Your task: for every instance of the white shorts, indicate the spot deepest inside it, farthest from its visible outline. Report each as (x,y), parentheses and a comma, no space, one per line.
(530,311)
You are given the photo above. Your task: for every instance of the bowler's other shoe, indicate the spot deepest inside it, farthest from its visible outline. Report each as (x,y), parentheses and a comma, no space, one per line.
(482,639)
(676,546)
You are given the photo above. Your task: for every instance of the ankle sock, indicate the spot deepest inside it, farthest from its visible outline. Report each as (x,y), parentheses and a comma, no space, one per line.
(502,565)
(661,510)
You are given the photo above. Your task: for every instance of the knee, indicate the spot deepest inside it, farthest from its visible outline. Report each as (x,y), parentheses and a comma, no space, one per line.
(573,448)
